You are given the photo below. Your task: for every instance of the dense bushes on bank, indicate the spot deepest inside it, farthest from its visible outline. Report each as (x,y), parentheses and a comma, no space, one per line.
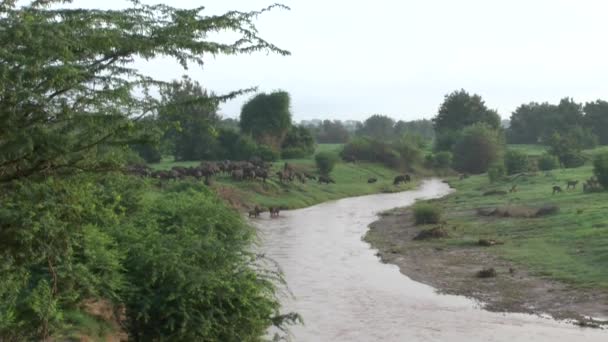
(176,260)
(403,153)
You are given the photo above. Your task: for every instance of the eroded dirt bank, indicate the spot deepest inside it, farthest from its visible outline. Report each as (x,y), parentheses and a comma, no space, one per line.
(452,268)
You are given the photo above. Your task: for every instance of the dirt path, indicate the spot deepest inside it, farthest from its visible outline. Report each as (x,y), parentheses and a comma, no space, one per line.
(452,269)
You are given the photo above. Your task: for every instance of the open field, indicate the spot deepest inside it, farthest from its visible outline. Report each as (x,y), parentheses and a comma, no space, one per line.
(351,180)
(570,246)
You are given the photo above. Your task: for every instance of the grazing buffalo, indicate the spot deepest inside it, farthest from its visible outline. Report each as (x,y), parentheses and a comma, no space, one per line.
(557,189)
(571,184)
(402,179)
(372,180)
(326,180)
(237,174)
(255,212)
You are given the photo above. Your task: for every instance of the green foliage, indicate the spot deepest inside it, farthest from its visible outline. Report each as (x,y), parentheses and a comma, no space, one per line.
(516,162)
(596,118)
(402,153)
(298,143)
(548,162)
(423,128)
(497,172)
(235,146)
(378,127)
(567,148)
(72,105)
(330,132)
(534,123)
(267,118)
(459,110)
(190,275)
(326,161)
(266,153)
(189,115)
(479,147)
(427,213)
(442,160)
(67,103)
(600,169)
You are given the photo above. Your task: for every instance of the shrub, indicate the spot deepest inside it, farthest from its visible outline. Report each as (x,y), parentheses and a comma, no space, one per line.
(479,147)
(573,159)
(325,162)
(516,162)
(600,169)
(296,152)
(149,152)
(548,162)
(266,153)
(426,213)
(496,172)
(442,160)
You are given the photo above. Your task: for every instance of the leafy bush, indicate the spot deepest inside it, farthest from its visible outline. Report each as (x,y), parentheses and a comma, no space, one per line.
(427,213)
(298,143)
(295,152)
(573,159)
(149,153)
(189,273)
(235,146)
(266,153)
(516,162)
(496,172)
(404,152)
(548,162)
(442,160)
(479,147)
(600,169)
(325,162)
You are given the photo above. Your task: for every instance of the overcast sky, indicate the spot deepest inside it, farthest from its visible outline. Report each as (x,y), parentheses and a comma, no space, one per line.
(351,59)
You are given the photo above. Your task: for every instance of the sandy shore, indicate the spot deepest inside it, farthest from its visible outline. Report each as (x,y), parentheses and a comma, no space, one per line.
(452,269)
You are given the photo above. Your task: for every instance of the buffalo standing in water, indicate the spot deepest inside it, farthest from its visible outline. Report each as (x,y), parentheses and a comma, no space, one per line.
(402,179)
(274,211)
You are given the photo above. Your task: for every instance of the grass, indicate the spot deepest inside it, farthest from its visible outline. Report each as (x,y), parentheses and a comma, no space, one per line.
(531,150)
(351,180)
(570,246)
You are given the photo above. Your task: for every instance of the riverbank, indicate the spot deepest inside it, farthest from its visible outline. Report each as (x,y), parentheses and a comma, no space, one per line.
(546,265)
(351,179)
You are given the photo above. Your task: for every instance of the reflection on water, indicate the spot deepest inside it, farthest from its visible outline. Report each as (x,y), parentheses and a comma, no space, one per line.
(344,293)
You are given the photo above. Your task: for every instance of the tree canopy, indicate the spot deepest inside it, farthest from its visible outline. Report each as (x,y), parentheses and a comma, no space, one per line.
(71,105)
(267,117)
(458,111)
(189,114)
(70,86)
(378,127)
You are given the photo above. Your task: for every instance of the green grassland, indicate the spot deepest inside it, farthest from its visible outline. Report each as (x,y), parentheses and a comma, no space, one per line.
(570,246)
(351,180)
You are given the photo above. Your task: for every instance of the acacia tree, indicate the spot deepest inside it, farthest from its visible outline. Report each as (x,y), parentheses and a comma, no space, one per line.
(267,118)
(69,86)
(459,110)
(70,100)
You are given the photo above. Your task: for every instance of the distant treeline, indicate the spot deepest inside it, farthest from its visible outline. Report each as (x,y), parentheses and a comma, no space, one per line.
(535,123)
(376,126)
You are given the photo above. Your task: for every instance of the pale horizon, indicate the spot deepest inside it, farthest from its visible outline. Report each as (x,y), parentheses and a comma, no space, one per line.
(352,59)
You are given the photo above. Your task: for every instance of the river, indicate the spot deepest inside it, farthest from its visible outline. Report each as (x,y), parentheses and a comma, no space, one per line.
(344,292)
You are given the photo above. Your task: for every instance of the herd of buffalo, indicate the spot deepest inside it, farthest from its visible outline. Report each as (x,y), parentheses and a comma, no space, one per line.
(254,169)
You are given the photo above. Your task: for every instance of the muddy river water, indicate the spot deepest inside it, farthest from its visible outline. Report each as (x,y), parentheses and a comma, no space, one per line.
(344,292)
